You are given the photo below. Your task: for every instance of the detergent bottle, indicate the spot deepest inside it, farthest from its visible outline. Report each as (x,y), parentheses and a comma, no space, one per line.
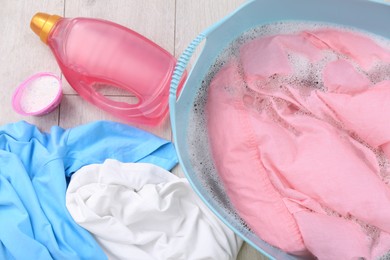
(93,53)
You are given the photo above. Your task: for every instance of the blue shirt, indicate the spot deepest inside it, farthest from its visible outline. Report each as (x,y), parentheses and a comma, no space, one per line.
(34,170)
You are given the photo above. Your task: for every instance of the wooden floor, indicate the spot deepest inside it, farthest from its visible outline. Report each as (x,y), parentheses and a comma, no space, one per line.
(170,23)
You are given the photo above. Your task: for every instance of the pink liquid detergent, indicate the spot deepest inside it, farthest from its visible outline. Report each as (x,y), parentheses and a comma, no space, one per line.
(94,53)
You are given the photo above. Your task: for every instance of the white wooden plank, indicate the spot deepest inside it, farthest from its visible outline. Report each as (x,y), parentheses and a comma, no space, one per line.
(249,253)
(192,17)
(23,54)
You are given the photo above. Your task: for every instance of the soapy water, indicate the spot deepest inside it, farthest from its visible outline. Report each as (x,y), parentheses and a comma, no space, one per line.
(39,93)
(305,74)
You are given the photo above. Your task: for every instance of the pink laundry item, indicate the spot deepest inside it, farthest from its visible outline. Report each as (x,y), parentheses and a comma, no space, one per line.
(295,161)
(366,120)
(272,53)
(341,76)
(358,47)
(347,89)
(304,159)
(351,243)
(240,152)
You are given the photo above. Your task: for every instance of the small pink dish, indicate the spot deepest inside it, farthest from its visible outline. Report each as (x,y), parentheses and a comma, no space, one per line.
(38,95)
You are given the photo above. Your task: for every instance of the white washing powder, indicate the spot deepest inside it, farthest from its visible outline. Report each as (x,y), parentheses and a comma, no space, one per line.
(39,93)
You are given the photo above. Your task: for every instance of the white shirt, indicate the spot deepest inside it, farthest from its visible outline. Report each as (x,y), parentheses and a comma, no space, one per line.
(141,211)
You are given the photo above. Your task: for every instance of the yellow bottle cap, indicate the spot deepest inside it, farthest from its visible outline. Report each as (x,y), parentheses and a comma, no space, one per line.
(42,24)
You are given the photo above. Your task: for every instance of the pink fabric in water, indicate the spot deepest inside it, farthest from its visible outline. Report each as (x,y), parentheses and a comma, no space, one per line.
(364,113)
(362,50)
(240,161)
(297,154)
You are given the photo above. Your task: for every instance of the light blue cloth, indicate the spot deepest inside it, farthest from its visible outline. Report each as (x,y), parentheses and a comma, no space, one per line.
(34,169)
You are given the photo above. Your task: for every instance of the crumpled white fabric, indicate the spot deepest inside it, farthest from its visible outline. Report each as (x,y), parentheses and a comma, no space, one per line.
(141,211)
